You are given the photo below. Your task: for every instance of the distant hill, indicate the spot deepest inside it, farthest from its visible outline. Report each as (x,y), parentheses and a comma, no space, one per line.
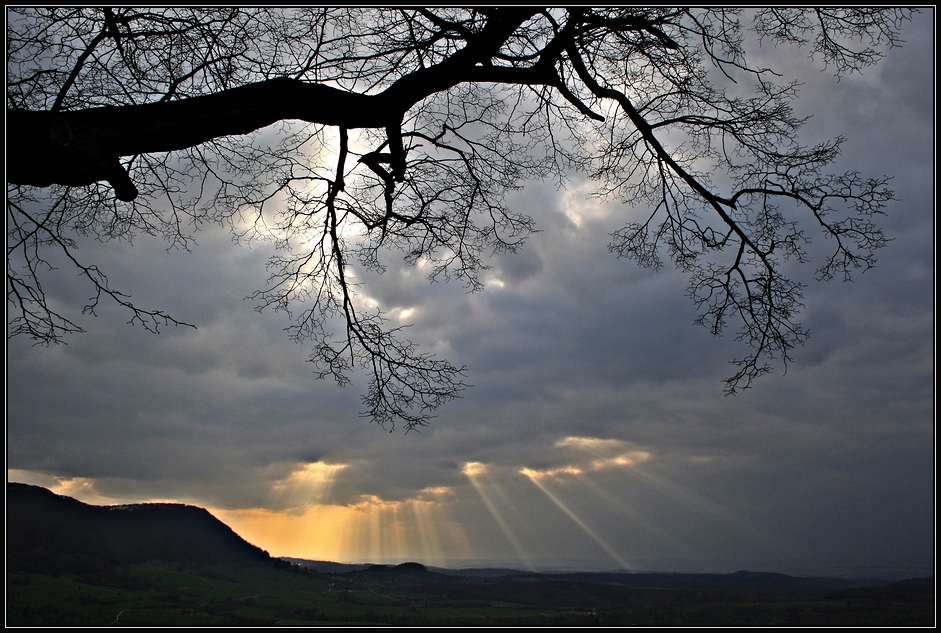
(329,567)
(746,583)
(913,591)
(326,567)
(753,585)
(45,529)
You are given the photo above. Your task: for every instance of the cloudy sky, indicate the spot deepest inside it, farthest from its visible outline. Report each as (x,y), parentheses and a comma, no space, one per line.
(596,435)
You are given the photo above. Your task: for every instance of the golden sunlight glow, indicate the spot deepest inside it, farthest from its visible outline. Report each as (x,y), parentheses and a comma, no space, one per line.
(621,461)
(438,490)
(371,530)
(610,454)
(554,472)
(310,483)
(590,443)
(472,469)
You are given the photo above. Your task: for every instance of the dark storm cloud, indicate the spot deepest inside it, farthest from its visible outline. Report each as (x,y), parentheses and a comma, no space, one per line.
(830,462)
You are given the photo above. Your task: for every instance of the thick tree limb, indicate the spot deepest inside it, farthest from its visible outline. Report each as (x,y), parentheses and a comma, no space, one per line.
(82,147)
(456,108)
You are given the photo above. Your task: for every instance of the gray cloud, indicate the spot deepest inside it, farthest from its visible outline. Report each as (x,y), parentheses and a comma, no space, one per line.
(828,464)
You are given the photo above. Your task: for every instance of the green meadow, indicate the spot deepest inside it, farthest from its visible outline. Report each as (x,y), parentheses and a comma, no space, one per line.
(164,594)
(276,593)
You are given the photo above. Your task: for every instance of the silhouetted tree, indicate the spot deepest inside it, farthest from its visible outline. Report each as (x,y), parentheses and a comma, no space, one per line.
(406,128)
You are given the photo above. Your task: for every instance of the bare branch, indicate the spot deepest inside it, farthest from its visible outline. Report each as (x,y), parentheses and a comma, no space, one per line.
(435,116)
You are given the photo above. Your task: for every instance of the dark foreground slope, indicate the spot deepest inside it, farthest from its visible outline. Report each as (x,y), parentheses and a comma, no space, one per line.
(49,531)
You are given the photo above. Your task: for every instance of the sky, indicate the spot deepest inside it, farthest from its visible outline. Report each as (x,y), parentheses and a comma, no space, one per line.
(596,434)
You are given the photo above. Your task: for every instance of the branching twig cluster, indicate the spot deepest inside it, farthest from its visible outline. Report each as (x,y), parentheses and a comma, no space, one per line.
(444,111)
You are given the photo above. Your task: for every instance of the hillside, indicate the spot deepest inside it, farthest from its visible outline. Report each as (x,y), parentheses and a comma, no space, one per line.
(48,530)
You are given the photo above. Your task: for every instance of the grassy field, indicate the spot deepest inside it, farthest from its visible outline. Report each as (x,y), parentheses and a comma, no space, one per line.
(162,594)
(277,594)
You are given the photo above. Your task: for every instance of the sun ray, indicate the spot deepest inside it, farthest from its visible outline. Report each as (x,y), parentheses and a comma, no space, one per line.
(533,476)
(638,518)
(310,483)
(516,517)
(723,516)
(426,526)
(473,470)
